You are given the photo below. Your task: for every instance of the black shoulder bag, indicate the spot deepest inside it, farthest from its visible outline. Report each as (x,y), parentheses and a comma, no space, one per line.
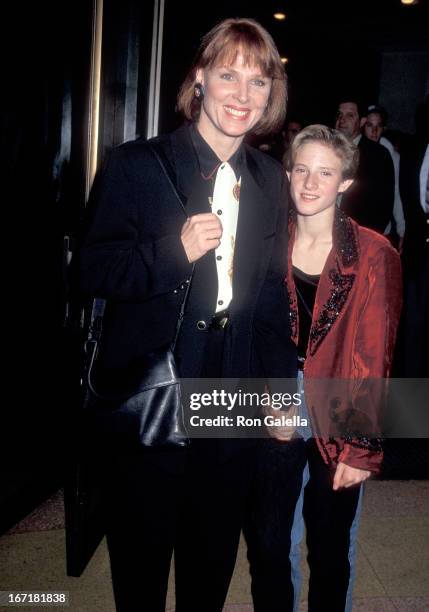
(149,412)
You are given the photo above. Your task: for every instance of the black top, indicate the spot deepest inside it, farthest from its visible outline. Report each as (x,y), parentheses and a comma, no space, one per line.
(209,161)
(306,287)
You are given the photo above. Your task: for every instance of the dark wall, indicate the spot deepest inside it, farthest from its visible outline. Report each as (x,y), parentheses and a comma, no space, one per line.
(331,46)
(127,42)
(404,85)
(47,52)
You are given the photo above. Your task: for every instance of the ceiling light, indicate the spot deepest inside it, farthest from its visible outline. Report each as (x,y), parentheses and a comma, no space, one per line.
(280,16)
(409,2)
(284,60)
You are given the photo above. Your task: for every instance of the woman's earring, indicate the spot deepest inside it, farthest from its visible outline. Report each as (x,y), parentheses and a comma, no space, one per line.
(199,91)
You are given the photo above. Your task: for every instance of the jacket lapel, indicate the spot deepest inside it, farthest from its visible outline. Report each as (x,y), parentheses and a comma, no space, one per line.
(336,282)
(293,301)
(183,160)
(256,221)
(335,285)
(333,295)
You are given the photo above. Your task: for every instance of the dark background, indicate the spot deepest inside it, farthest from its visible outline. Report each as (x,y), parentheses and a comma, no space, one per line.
(331,46)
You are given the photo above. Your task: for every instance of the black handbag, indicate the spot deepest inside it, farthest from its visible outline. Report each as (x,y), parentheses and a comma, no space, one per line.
(148,411)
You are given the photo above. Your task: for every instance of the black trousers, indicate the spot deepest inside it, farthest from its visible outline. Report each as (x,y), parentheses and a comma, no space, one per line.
(198,514)
(196,511)
(328,515)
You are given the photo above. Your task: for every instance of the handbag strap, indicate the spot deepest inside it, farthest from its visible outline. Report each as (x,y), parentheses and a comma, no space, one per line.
(182,309)
(167,169)
(95,328)
(98,305)
(170,176)
(96,320)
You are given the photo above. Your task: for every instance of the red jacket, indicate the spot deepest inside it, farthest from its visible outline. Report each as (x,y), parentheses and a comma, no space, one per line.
(355,318)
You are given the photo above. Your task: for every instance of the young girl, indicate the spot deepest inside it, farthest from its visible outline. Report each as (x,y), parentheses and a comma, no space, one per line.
(344,285)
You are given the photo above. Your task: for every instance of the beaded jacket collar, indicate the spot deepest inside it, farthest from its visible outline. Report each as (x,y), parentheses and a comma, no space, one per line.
(339,271)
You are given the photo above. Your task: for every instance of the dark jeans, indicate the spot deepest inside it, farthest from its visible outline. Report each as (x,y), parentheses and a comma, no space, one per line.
(268,526)
(272,526)
(330,521)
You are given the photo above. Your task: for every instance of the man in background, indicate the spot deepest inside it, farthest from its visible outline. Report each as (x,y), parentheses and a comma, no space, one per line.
(292,127)
(369,201)
(374,128)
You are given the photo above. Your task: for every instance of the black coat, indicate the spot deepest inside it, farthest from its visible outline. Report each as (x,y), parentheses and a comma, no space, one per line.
(369,201)
(416,239)
(133,256)
(414,338)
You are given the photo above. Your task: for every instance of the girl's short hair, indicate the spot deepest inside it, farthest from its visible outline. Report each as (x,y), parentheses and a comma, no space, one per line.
(221,46)
(340,144)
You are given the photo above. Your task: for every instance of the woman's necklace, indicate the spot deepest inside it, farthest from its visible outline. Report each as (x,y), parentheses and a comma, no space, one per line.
(304,303)
(212,173)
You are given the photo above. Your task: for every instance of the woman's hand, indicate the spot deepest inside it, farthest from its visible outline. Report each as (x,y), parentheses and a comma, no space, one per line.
(283,433)
(200,234)
(347,476)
